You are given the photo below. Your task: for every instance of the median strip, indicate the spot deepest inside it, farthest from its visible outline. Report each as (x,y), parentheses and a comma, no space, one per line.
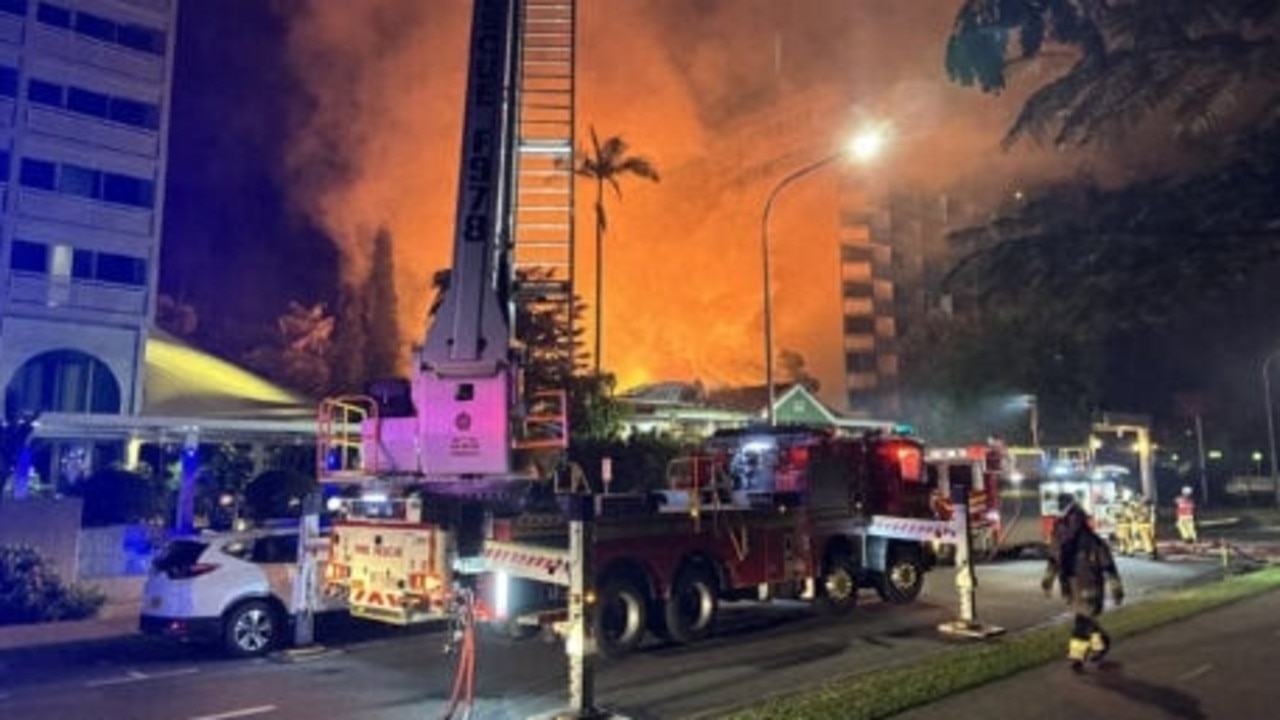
(884,692)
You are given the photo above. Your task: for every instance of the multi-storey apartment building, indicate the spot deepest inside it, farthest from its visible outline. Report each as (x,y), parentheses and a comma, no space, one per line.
(84,106)
(894,255)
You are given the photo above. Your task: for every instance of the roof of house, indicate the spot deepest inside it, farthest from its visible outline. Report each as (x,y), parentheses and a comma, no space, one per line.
(748,399)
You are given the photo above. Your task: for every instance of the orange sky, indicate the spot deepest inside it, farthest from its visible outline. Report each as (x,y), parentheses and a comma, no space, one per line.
(692,85)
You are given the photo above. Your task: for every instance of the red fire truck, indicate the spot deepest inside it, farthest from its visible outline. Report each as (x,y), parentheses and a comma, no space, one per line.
(981,464)
(1006,512)
(759,513)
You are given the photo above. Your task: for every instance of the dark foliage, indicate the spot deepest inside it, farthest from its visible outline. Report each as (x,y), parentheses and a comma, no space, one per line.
(278,494)
(113,496)
(639,463)
(31,591)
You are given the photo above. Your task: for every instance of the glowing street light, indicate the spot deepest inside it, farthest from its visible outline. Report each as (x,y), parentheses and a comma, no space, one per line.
(863,148)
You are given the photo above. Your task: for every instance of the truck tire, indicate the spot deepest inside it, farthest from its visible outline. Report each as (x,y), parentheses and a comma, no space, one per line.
(838,586)
(690,609)
(251,628)
(620,616)
(903,578)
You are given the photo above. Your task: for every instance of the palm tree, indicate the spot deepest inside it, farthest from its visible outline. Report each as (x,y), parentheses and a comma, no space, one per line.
(607,163)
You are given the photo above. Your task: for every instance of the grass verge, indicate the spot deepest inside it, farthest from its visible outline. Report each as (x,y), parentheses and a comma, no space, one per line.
(882,693)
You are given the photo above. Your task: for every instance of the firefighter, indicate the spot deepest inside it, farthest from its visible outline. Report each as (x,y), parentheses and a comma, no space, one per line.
(1186,507)
(1143,521)
(1080,562)
(1125,534)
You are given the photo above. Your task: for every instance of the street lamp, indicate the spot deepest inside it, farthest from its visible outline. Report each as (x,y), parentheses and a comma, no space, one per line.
(1271,423)
(1033,411)
(864,147)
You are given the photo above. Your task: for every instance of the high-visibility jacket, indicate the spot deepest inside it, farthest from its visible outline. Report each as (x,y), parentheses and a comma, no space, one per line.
(1186,508)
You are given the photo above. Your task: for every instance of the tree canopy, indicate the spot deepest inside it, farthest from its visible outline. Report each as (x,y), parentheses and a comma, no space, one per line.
(1196,65)
(1162,284)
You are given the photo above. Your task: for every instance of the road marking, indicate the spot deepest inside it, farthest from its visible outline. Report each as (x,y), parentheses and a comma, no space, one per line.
(238,713)
(1195,673)
(135,676)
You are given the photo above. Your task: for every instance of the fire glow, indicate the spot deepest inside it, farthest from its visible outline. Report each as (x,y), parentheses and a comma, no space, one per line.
(683,288)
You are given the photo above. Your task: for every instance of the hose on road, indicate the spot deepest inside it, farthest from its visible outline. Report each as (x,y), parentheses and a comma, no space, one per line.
(462,643)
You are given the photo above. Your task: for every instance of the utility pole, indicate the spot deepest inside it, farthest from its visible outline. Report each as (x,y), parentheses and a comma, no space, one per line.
(1271,423)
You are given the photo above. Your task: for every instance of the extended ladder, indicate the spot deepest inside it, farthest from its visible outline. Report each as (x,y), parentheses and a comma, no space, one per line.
(543,247)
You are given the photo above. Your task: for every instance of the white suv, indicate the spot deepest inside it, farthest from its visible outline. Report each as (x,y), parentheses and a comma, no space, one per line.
(235,589)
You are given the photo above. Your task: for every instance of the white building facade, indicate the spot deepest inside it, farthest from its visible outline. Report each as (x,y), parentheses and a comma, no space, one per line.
(85,89)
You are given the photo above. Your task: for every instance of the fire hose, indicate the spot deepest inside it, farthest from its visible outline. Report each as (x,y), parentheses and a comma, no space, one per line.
(462,643)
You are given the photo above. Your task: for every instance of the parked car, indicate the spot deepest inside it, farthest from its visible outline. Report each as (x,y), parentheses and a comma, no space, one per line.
(233,589)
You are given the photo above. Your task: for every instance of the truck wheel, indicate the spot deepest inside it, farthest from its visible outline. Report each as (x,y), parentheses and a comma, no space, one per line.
(838,586)
(251,629)
(902,580)
(690,609)
(620,620)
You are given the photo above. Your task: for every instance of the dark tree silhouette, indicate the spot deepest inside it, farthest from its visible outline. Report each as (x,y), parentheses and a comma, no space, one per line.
(382,327)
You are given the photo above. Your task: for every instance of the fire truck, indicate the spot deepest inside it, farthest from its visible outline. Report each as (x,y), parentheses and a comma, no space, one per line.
(1097,488)
(757,514)
(1004,516)
(982,465)
(449,478)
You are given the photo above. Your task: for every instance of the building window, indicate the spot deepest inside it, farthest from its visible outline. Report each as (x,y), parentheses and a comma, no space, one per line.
(44,93)
(856,290)
(39,174)
(860,362)
(145,39)
(96,27)
(55,15)
(94,104)
(29,257)
(13,7)
(126,35)
(88,183)
(129,191)
(8,81)
(80,181)
(132,112)
(65,381)
(855,253)
(121,270)
(5,157)
(863,325)
(82,264)
(87,102)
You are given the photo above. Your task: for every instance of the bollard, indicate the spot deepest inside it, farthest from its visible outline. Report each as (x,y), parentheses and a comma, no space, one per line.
(306,584)
(967,624)
(579,642)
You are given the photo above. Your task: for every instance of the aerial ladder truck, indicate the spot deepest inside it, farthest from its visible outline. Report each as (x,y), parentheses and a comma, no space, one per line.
(446,477)
(423,465)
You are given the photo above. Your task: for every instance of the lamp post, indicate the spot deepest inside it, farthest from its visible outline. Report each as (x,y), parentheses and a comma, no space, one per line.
(768,284)
(1271,423)
(865,146)
(1033,410)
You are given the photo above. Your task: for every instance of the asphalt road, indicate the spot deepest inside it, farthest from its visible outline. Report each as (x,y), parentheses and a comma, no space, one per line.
(1221,664)
(382,673)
